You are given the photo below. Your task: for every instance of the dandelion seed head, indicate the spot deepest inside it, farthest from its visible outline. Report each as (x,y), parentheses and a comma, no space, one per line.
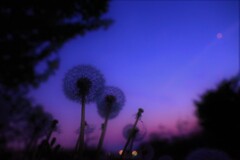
(83,81)
(110,102)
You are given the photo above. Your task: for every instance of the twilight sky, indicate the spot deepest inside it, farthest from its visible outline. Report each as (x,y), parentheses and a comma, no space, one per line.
(162,54)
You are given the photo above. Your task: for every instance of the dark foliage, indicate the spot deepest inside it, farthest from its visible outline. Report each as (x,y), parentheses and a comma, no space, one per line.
(146,151)
(32,31)
(37,124)
(30,36)
(218,113)
(27,126)
(207,154)
(176,147)
(48,149)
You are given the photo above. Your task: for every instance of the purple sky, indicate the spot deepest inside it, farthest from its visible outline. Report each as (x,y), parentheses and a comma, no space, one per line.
(162,54)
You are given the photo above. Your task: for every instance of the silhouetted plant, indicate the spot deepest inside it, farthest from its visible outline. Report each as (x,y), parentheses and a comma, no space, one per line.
(30,36)
(13,107)
(24,122)
(165,157)
(53,128)
(4,119)
(218,113)
(133,131)
(89,130)
(37,126)
(48,147)
(4,111)
(146,152)
(32,32)
(207,154)
(109,104)
(138,134)
(83,84)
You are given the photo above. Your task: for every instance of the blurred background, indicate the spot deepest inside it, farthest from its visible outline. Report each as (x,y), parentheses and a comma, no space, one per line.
(163,55)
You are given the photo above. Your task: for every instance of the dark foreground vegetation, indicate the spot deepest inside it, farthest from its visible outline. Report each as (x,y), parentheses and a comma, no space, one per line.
(217,108)
(31,34)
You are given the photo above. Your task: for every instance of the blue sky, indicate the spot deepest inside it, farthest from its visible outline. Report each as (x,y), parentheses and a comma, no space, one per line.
(162,54)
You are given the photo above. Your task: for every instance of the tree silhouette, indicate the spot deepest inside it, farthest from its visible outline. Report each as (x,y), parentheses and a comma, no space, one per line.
(31,34)
(32,31)
(109,105)
(218,113)
(19,118)
(83,84)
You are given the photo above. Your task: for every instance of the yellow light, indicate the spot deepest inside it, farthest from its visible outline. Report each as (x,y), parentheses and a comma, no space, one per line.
(134,153)
(120,152)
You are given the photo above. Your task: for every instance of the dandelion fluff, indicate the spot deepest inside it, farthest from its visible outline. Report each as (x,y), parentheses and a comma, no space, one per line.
(110,102)
(83,81)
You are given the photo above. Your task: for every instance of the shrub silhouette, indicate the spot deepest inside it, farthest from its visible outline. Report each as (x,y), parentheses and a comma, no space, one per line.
(109,104)
(48,147)
(218,113)
(83,84)
(146,152)
(21,120)
(207,154)
(165,157)
(37,126)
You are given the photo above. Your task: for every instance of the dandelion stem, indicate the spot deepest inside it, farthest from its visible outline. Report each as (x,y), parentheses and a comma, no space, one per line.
(100,143)
(131,135)
(82,127)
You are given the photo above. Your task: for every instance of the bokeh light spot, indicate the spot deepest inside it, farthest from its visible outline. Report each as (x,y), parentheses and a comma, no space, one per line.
(120,152)
(219,35)
(134,153)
